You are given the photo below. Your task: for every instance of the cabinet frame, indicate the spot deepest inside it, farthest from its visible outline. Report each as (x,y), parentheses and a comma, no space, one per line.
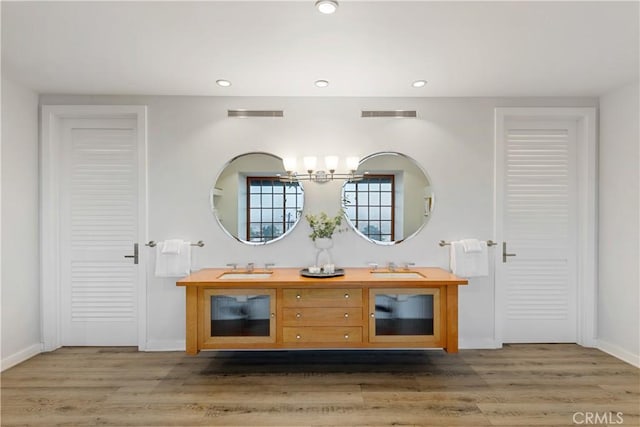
(208,341)
(439,318)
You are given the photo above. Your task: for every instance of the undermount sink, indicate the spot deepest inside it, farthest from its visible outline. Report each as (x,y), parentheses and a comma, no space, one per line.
(245,275)
(397,274)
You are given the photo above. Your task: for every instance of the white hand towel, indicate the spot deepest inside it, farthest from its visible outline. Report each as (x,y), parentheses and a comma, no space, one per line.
(471,245)
(469,264)
(173,264)
(172,246)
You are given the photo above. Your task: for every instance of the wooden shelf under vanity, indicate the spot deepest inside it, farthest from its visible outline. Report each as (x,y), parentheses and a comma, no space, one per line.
(279,309)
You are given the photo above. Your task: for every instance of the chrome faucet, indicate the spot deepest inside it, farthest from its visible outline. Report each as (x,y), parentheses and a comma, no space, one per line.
(250,267)
(233,265)
(406,265)
(391,266)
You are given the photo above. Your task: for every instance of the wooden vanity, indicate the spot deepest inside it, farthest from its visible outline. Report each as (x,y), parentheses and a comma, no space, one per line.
(280,309)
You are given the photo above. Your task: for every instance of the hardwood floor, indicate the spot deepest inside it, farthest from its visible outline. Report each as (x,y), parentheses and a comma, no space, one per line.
(516,386)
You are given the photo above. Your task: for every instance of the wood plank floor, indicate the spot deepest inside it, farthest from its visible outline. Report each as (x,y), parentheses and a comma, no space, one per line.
(519,385)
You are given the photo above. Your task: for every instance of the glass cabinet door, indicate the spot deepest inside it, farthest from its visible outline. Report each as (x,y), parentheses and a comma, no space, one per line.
(404,315)
(239,316)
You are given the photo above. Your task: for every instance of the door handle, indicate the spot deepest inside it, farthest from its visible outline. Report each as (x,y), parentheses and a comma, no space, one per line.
(504,252)
(135,254)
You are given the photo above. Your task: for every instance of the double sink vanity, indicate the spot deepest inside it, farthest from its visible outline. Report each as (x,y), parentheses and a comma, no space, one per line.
(258,199)
(280,309)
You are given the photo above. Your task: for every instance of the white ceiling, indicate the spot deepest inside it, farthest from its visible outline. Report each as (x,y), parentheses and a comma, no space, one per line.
(368,48)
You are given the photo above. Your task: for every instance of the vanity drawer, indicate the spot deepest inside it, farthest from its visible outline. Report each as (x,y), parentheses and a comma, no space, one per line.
(322,334)
(311,316)
(322,297)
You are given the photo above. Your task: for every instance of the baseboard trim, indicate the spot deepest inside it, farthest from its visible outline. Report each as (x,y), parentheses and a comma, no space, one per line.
(166,345)
(471,344)
(619,352)
(21,356)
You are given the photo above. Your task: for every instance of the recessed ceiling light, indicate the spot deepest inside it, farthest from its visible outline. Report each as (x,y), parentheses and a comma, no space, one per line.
(419,83)
(223,83)
(327,6)
(321,83)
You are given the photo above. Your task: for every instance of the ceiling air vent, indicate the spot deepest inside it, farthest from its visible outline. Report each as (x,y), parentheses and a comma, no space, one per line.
(392,113)
(255,113)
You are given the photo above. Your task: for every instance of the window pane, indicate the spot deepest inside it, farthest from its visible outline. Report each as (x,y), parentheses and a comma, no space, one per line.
(385,213)
(255,215)
(374,212)
(267,215)
(278,230)
(278,201)
(278,215)
(266,200)
(349,198)
(349,186)
(385,199)
(351,212)
(267,231)
(363,198)
(291,188)
(385,227)
(255,187)
(373,230)
(374,199)
(254,231)
(255,200)
(385,186)
(363,213)
(363,227)
(291,216)
(374,185)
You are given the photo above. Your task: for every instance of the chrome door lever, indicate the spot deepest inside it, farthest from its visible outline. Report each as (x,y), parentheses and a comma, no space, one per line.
(135,254)
(504,252)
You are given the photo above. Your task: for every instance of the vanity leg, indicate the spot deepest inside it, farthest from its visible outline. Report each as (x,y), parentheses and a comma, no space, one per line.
(192,320)
(452,320)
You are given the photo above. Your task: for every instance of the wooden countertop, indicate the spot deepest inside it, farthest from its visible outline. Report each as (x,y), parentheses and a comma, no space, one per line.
(290,277)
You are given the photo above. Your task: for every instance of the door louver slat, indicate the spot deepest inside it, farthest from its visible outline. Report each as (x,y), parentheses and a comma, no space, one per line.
(537,203)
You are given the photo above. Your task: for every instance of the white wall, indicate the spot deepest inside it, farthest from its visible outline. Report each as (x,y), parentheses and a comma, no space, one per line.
(20,241)
(619,241)
(190,139)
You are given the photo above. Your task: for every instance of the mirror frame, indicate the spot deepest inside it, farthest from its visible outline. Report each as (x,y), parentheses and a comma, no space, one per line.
(429,202)
(217,217)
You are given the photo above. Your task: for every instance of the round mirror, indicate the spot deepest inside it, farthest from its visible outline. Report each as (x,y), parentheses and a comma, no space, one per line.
(251,203)
(390,199)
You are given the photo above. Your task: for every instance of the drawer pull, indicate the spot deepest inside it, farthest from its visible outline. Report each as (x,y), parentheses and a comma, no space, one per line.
(298,296)
(346,296)
(298,315)
(298,336)
(273,315)
(346,315)
(372,315)
(346,336)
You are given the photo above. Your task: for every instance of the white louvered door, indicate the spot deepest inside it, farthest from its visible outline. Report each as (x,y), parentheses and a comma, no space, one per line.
(99,226)
(537,202)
